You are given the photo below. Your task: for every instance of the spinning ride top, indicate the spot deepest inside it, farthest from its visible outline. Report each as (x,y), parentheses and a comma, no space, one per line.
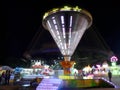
(67,26)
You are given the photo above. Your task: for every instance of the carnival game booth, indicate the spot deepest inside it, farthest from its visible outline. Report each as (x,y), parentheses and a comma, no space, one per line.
(31,73)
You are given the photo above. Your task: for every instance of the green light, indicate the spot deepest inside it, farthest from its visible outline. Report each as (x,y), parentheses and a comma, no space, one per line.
(113,63)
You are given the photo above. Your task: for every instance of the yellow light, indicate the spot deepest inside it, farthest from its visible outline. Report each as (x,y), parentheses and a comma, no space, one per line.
(55,9)
(45,15)
(66,77)
(77,8)
(65,8)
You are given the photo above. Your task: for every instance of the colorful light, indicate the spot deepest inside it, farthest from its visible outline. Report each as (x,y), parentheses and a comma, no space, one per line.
(114,59)
(67,26)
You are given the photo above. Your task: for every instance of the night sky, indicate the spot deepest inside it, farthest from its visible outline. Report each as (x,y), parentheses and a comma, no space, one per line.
(21,21)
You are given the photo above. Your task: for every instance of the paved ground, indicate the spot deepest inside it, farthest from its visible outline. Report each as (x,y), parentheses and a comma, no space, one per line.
(104,89)
(115,80)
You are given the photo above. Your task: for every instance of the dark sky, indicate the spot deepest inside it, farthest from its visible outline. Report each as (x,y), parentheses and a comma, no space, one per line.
(21,20)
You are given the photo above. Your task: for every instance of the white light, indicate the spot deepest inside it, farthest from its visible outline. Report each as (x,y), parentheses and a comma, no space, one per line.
(67,29)
(65,45)
(63,32)
(62,46)
(59,37)
(53,17)
(48,23)
(69,43)
(52,32)
(70,21)
(56,27)
(54,21)
(58,32)
(62,19)
(69,32)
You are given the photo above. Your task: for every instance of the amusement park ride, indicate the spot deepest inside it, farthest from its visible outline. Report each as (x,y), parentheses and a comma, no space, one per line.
(67,26)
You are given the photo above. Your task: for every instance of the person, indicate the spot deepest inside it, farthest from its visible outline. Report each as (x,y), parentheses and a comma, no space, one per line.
(75,75)
(7,77)
(109,75)
(35,82)
(3,78)
(0,78)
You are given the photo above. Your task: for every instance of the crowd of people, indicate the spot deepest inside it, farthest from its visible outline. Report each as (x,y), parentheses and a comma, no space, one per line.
(5,77)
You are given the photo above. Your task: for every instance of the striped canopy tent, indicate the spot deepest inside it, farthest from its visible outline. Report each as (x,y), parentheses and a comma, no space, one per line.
(6,68)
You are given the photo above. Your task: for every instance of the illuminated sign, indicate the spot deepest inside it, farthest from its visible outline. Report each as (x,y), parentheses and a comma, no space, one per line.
(49,84)
(114,59)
